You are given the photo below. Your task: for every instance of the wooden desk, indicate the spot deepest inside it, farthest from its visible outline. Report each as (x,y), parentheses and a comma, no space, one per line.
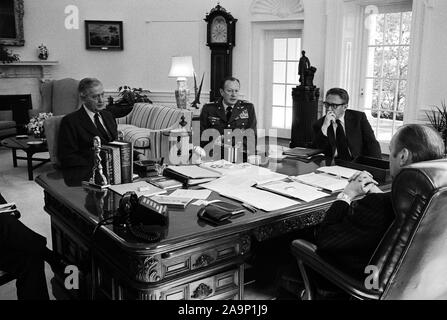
(194,260)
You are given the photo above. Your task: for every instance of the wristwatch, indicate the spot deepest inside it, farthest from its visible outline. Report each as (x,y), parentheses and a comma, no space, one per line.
(344,197)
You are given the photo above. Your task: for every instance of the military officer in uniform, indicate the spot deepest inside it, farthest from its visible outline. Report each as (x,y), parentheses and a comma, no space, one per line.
(227,114)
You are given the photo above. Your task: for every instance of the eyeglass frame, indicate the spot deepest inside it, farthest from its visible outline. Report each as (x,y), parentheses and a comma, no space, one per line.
(333,106)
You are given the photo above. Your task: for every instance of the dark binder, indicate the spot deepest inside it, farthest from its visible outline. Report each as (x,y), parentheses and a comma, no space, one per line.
(303,153)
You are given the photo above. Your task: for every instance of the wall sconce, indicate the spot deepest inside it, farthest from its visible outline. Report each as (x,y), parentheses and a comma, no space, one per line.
(181,68)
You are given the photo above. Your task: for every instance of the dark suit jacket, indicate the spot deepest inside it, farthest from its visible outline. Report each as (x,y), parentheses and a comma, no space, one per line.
(349,235)
(360,136)
(75,141)
(21,254)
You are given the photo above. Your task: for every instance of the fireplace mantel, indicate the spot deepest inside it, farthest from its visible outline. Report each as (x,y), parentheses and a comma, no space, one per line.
(28,69)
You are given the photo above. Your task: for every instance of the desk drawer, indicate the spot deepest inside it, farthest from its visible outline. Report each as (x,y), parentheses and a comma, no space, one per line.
(201,256)
(225,284)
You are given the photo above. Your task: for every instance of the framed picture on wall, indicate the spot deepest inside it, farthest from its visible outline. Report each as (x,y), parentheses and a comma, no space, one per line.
(104,35)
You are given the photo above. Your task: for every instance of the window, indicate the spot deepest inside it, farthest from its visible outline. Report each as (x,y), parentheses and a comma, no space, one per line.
(286,55)
(387,47)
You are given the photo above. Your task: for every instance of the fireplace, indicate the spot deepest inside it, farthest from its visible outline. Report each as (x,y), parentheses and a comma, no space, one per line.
(19,104)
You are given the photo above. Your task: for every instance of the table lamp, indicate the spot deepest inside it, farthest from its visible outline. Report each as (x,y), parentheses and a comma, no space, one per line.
(181,68)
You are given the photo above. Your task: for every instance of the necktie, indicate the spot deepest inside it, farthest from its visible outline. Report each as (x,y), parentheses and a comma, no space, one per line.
(229,111)
(342,143)
(102,131)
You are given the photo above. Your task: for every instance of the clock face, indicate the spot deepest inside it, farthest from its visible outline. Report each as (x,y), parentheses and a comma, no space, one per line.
(219,30)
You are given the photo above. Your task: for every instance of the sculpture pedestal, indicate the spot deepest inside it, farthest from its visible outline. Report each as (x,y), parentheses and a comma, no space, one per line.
(304,115)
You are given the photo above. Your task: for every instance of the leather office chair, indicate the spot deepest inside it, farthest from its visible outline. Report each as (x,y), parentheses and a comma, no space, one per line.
(412,256)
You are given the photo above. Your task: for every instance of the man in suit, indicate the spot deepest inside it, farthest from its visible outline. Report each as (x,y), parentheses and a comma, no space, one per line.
(226,116)
(351,230)
(344,134)
(78,128)
(23,253)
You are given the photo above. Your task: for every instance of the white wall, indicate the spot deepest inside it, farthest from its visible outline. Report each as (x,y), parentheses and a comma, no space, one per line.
(156,30)
(153,32)
(432,86)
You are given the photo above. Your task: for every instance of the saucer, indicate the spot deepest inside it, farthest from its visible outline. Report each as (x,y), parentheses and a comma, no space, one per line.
(22,136)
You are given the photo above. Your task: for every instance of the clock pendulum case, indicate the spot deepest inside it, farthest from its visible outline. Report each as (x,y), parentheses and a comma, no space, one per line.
(221,36)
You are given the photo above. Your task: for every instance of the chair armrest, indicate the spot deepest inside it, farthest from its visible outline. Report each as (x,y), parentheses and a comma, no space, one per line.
(307,253)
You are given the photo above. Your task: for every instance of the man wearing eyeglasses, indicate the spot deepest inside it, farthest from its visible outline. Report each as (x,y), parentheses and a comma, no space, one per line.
(344,134)
(75,140)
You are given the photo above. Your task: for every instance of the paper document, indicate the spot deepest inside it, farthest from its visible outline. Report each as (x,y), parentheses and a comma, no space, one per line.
(191,194)
(141,188)
(259,199)
(323,181)
(294,189)
(195,172)
(338,171)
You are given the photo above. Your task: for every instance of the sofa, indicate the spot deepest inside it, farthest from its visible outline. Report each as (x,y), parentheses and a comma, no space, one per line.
(146,124)
(7,124)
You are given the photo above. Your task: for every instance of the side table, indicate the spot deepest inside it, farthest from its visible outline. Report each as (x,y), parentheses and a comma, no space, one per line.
(31,146)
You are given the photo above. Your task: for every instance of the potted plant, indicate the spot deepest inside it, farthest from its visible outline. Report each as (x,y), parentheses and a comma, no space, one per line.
(438,119)
(7,56)
(128,96)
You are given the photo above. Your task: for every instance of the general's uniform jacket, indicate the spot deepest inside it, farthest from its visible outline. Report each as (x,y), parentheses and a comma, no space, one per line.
(213,115)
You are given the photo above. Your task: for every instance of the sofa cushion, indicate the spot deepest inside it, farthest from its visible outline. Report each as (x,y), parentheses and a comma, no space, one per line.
(154,116)
(140,137)
(7,124)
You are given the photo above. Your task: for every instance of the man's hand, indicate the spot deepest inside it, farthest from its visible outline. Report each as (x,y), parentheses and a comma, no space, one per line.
(330,118)
(360,184)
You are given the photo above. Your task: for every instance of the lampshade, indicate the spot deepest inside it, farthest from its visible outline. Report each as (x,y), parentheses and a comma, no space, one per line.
(181,67)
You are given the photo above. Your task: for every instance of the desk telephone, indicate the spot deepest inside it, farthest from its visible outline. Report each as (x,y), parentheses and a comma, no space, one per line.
(145,219)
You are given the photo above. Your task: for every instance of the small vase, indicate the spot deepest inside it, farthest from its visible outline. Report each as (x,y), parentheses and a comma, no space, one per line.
(43,52)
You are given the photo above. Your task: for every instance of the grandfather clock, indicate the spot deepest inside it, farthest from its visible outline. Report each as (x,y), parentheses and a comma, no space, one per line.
(221,36)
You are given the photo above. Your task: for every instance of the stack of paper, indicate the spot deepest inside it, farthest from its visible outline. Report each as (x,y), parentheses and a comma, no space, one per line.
(191,194)
(294,190)
(195,172)
(141,188)
(170,201)
(338,171)
(259,199)
(323,181)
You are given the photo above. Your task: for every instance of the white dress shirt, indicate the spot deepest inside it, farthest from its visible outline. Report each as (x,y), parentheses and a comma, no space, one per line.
(91,115)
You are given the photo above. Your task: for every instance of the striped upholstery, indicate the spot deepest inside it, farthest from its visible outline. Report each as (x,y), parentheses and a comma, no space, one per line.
(144,126)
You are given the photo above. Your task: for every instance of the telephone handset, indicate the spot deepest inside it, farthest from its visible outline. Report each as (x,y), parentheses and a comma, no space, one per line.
(145,219)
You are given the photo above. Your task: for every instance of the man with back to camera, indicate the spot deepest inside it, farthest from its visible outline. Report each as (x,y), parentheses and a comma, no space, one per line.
(352,230)
(343,133)
(227,114)
(23,253)
(75,141)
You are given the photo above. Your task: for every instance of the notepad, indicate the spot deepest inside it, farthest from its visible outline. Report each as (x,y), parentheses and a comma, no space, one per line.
(323,181)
